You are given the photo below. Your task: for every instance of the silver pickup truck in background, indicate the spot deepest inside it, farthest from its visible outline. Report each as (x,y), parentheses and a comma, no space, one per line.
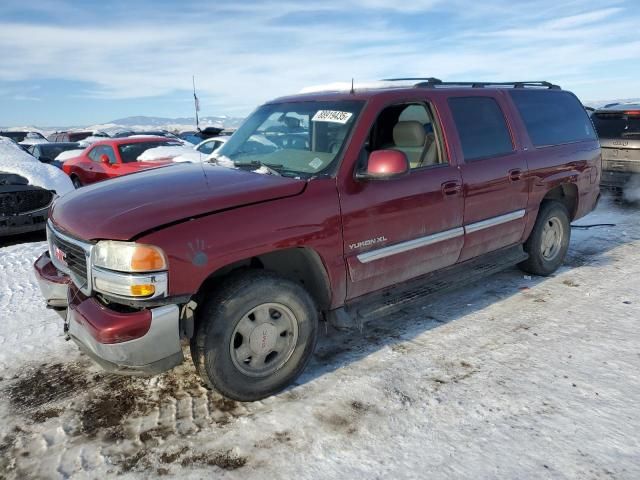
(618,127)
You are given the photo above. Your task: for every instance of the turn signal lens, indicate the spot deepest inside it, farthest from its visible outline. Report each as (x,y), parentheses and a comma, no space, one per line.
(147,259)
(142,290)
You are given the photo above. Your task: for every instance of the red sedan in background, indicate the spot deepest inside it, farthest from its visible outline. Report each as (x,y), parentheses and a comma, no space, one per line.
(113,158)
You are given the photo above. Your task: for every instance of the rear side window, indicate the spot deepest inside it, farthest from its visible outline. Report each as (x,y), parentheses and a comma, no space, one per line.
(553,118)
(481,127)
(129,152)
(100,150)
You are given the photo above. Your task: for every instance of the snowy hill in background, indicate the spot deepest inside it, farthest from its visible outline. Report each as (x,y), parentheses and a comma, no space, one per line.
(602,103)
(141,123)
(158,122)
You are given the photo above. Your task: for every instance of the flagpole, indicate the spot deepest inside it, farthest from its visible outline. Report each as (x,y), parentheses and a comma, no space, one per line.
(195,100)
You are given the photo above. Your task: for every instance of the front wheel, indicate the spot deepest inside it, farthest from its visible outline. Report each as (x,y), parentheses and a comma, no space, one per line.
(255,335)
(549,240)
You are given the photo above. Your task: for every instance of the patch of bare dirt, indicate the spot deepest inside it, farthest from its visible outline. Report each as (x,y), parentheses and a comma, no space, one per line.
(345,419)
(225,460)
(171,457)
(122,397)
(46,383)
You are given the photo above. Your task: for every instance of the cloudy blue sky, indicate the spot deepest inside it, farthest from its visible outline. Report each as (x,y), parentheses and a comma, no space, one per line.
(85,62)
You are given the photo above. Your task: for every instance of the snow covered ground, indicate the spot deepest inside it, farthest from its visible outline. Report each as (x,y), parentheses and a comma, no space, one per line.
(510,378)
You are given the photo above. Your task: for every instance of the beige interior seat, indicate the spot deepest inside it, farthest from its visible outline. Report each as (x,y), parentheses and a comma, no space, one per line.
(431,157)
(409,137)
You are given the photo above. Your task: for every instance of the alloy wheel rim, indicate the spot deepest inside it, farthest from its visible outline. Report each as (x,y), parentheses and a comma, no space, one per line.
(264,339)
(552,234)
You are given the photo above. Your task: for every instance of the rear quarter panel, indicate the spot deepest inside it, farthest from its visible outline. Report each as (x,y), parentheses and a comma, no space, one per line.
(577,163)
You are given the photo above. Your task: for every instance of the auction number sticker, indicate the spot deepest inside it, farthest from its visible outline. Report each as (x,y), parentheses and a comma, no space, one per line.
(334,116)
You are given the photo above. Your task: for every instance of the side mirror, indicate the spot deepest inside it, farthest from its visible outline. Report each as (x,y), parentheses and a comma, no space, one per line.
(104,159)
(385,165)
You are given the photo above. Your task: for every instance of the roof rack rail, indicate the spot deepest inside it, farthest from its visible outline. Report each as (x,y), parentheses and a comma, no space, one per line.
(432,82)
(411,79)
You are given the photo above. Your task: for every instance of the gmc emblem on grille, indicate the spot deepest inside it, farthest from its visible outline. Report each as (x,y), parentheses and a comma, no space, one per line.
(60,255)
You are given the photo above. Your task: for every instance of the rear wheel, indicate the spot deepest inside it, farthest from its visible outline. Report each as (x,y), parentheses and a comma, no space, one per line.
(549,241)
(255,335)
(76,182)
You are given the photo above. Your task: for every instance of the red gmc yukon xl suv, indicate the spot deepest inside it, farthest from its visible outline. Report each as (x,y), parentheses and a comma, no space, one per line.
(329,205)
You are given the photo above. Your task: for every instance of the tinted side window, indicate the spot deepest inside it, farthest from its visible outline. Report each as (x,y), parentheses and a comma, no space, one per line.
(108,151)
(553,118)
(481,127)
(95,154)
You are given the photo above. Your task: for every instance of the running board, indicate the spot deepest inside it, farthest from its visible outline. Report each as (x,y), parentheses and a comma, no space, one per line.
(395,298)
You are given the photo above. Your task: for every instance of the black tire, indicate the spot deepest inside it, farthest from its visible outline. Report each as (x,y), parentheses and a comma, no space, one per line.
(76,182)
(219,317)
(550,213)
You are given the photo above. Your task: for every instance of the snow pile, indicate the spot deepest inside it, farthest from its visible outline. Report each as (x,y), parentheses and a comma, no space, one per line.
(85,142)
(15,160)
(66,155)
(166,152)
(190,156)
(33,141)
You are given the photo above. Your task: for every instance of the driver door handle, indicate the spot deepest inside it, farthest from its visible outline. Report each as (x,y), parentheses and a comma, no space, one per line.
(452,187)
(515,175)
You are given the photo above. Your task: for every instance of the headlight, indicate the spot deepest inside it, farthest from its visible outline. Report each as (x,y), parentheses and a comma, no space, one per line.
(129,270)
(128,257)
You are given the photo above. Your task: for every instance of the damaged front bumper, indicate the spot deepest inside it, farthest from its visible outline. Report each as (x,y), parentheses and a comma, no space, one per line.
(145,341)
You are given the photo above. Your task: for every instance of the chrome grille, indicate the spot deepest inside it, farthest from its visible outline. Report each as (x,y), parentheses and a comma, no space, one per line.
(72,257)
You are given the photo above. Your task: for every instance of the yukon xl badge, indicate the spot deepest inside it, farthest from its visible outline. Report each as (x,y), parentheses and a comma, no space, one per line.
(368,243)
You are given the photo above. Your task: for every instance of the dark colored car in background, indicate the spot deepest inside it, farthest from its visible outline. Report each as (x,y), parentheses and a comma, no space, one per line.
(113,158)
(65,137)
(22,136)
(47,152)
(151,133)
(618,126)
(197,136)
(23,207)
(27,188)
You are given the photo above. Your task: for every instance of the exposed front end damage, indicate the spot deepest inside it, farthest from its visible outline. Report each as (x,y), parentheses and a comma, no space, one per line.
(119,337)
(23,207)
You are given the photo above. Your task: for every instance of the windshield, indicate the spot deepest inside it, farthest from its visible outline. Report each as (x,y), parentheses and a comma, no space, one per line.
(52,151)
(617,124)
(129,152)
(298,138)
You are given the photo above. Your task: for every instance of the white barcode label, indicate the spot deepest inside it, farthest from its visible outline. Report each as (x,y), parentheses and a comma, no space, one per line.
(334,116)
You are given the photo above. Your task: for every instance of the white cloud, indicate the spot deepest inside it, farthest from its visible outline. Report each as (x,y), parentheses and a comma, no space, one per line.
(244,59)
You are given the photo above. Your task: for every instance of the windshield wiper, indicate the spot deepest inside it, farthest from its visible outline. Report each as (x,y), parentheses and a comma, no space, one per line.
(256,163)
